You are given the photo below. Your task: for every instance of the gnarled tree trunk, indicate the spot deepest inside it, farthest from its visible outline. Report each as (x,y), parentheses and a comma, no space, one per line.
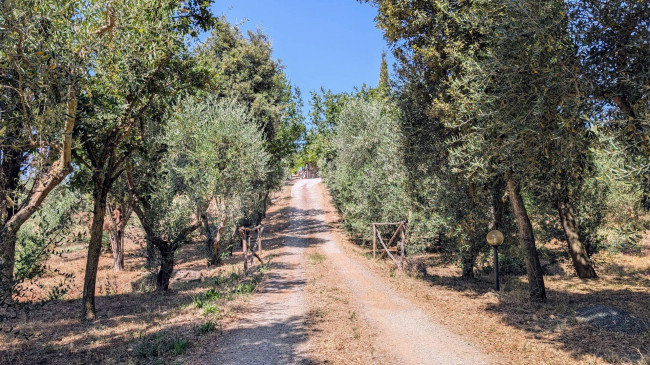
(213,241)
(10,167)
(579,257)
(209,238)
(151,253)
(527,240)
(116,236)
(166,247)
(7,262)
(166,264)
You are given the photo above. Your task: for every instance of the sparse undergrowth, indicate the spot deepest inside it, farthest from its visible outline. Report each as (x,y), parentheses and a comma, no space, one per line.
(225,289)
(157,346)
(548,333)
(136,324)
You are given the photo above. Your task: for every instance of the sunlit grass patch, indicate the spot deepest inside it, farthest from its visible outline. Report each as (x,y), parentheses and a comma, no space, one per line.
(316,258)
(211,309)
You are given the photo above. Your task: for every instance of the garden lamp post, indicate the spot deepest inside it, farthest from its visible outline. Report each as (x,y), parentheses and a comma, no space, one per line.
(495,239)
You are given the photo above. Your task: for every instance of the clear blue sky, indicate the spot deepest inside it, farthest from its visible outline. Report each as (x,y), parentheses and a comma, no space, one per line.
(329,43)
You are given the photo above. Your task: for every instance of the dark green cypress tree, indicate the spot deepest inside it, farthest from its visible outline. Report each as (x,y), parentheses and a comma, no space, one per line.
(383,75)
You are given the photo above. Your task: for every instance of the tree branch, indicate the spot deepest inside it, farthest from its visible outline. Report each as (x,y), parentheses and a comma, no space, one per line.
(42,187)
(110,21)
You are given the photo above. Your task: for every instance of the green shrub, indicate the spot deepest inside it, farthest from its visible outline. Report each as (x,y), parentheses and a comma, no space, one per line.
(212,294)
(150,347)
(211,309)
(207,327)
(42,236)
(245,288)
(179,346)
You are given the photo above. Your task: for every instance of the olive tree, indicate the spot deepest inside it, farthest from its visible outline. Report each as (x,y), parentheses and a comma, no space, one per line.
(143,58)
(206,150)
(368,179)
(227,163)
(44,53)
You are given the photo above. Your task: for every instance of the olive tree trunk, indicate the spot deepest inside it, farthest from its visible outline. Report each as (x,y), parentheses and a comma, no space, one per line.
(209,237)
(468,260)
(166,247)
(116,236)
(119,218)
(166,265)
(527,240)
(579,257)
(217,239)
(100,193)
(7,262)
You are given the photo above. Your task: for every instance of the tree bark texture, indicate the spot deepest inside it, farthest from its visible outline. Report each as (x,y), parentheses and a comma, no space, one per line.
(116,237)
(119,218)
(151,254)
(8,247)
(209,239)
(579,257)
(10,167)
(100,193)
(166,265)
(527,240)
(217,239)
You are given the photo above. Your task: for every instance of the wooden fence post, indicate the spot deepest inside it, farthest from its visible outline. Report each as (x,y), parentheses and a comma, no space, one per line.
(245,250)
(400,248)
(374,241)
(259,241)
(402,230)
(255,252)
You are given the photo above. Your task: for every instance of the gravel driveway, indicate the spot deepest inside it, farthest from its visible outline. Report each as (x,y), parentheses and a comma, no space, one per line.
(275,331)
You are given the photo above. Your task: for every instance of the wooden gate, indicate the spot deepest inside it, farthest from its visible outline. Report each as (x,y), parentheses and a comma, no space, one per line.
(251,247)
(401,230)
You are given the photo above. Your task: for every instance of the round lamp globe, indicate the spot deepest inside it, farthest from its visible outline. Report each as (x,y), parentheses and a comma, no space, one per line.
(494,238)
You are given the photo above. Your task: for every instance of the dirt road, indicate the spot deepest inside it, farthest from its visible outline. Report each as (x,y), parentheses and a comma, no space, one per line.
(275,331)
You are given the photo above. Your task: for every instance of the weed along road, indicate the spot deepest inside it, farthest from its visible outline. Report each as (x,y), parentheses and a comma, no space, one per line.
(274,330)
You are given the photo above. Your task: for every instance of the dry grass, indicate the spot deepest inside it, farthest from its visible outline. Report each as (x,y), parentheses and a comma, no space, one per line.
(136,325)
(510,328)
